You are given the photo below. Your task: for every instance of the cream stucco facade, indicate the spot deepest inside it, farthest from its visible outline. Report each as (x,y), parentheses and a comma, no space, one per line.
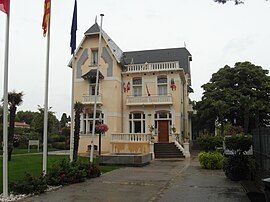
(136,91)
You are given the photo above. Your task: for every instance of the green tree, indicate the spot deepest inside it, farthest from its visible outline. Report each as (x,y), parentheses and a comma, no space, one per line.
(26,116)
(38,122)
(14,100)
(64,120)
(239,95)
(237,2)
(78,107)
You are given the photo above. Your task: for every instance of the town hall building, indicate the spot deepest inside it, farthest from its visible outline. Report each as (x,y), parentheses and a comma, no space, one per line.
(143,96)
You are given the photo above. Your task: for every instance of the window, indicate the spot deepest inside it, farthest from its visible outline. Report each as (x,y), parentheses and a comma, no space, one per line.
(92,86)
(94,57)
(137,122)
(137,86)
(87,122)
(162,86)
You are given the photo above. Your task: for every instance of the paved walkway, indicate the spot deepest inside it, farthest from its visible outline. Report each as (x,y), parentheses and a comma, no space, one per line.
(162,180)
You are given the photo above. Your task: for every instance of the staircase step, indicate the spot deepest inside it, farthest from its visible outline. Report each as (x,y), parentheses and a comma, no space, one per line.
(167,150)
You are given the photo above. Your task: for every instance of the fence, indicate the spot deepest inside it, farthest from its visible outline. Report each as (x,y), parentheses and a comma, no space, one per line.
(261,141)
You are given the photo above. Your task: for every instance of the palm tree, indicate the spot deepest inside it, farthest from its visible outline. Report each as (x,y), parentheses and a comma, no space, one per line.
(14,100)
(78,107)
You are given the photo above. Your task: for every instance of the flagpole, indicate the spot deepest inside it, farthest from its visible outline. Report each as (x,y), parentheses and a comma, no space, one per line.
(73,48)
(71,139)
(95,103)
(45,126)
(5,113)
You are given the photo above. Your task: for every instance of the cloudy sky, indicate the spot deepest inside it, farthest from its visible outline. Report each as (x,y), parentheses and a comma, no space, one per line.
(214,34)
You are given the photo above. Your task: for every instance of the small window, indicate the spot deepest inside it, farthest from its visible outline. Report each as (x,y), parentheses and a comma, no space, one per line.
(94,57)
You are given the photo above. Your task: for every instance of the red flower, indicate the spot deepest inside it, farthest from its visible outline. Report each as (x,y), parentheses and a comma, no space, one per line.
(91,168)
(62,175)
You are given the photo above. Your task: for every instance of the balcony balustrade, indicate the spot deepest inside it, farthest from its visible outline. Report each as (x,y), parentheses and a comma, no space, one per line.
(152,67)
(131,137)
(149,100)
(90,99)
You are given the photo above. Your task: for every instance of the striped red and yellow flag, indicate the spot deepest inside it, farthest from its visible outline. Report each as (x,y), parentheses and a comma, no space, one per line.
(46,16)
(4,6)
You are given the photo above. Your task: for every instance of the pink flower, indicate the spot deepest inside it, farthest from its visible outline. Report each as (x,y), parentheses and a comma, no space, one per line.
(102,128)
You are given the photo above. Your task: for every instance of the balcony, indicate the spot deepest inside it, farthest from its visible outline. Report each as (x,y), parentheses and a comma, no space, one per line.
(90,99)
(152,67)
(131,137)
(149,100)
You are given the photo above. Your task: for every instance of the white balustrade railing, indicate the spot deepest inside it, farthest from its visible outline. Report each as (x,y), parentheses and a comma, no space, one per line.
(149,67)
(90,99)
(131,137)
(149,100)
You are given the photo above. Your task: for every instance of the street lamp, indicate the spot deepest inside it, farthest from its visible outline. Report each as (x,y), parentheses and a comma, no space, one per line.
(99,140)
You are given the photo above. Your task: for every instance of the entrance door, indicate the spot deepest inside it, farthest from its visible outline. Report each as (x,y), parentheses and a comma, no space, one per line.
(163,131)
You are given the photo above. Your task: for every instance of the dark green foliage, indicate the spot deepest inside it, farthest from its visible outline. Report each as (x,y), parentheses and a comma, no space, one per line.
(65,172)
(210,143)
(239,95)
(14,100)
(238,143)
(59,145)
(78,107)
(29,184)
(239,167)
(64,120)
(237,2)
(211,160)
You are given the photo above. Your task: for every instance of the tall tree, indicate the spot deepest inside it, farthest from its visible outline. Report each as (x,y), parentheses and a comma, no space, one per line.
(78,107)
(239,95)
(64,120)
(26,116)
(53,123)
(14,100)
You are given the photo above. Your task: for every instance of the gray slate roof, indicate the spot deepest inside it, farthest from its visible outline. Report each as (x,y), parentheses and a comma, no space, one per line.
(117,52)
(159,55)
(150,56)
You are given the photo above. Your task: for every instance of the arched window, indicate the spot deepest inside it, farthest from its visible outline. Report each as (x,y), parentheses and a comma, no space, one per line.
(162,85)
(137,122)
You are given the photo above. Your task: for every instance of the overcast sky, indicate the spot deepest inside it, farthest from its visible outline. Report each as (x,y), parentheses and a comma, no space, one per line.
(214,34)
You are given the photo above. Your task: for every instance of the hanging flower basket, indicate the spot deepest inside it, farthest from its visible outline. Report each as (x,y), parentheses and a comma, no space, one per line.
(102,128)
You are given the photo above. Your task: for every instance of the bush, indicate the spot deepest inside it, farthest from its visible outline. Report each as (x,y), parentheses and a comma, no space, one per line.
(29,184)
(59,145)
(65,172)
(239,167)
(211,160)
(238,143)
(210,143)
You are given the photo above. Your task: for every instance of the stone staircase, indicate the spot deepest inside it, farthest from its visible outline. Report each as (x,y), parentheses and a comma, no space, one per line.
(167,150)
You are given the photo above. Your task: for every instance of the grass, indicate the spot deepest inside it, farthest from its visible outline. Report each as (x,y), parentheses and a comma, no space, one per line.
(32,163)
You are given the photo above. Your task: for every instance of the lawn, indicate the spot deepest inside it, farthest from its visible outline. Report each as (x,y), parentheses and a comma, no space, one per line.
(32,163)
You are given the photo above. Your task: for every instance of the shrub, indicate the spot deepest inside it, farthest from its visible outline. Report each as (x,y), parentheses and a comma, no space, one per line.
(59,145)
(29,184)
(211,160)
(210,143)
(239,167)
(238,143)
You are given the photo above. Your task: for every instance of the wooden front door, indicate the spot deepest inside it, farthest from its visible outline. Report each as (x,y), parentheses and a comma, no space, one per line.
(163,131)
